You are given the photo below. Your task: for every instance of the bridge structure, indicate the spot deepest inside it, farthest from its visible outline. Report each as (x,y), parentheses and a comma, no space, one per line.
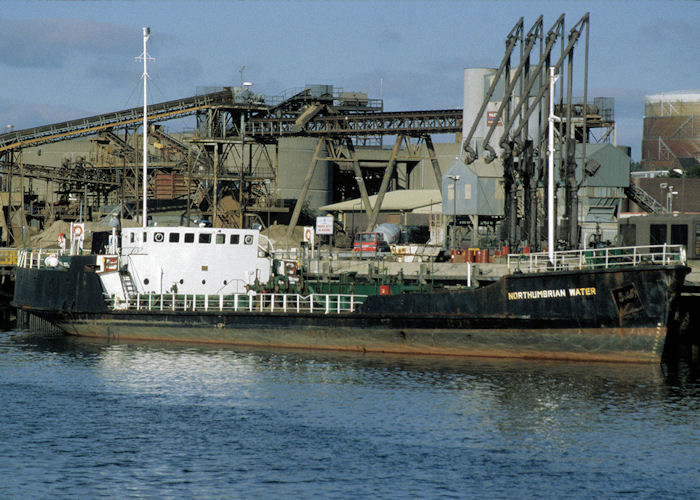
(228,167)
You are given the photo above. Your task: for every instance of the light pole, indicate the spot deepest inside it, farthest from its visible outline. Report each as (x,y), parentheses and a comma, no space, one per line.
(669,198)
(267,202)
(550,166)
(681,171)
(672,194)
(454,179)
(663,186)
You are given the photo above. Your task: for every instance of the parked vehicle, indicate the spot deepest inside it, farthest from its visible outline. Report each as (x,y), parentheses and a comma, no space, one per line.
(370,243)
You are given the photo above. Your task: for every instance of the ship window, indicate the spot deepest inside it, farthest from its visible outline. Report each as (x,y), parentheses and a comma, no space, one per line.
(159,237)
(220,238)
(205,237)
(131,237)
(235,239)
(189,237)
(182,281)
(225,282)
(248,240)
(657,234)
(146,281)
(204,282)
(679,234)
(144,237)
(174,237)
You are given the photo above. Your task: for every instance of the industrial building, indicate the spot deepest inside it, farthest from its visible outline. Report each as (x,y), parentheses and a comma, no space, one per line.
(251,159)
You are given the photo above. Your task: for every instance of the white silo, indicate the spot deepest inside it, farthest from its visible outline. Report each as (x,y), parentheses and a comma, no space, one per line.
(476,84)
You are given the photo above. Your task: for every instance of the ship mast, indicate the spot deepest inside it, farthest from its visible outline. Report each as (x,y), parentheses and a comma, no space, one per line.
(145,58)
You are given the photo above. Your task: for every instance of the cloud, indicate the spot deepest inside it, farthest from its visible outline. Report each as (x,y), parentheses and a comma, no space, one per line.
(49,43)
(25,114)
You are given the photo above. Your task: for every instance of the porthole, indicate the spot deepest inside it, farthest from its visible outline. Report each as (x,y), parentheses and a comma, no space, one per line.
(248,240)
(182,281)
(146,281)
(225,282)
(158,237)
(204,282)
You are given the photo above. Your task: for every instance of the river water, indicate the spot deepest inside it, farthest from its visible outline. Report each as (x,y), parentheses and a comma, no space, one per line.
(83,418)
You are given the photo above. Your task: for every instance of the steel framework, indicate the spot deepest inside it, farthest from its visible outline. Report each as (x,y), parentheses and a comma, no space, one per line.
(229,166)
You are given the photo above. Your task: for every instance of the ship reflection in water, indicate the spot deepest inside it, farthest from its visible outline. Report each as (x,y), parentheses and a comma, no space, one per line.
(87,418)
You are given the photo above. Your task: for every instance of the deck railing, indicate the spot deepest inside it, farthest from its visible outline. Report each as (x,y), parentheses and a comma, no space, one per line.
(262,302)
(597,258)
(36,258)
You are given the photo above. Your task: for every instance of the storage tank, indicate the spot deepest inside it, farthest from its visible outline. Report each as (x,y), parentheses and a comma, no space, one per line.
(295,156)
(476,83)
(669,131)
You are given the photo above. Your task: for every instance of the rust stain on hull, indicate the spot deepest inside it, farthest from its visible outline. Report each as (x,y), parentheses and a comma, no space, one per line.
(474,343)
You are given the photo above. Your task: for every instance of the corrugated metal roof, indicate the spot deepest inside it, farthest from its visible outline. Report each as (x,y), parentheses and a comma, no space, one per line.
(405,199)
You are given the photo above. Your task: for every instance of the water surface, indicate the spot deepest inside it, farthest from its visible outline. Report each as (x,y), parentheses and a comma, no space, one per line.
(83,418)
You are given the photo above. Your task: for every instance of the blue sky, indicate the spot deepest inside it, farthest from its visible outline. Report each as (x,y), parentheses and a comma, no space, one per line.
(64,60)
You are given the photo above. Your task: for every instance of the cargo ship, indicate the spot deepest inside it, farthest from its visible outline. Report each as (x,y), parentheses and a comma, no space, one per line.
(218,285)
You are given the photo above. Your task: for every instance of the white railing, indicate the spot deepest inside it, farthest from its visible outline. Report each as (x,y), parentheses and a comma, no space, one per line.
(48,258)
(36,258)
(263,302)
(598,258)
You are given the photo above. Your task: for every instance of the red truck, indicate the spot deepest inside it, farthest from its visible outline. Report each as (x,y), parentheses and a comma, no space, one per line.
(370,243)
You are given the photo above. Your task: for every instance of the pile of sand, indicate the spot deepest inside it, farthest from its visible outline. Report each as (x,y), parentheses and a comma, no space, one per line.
(48,238)
(278,235)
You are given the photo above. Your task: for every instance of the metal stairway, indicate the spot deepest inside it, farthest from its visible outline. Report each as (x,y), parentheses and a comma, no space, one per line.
(127,284)
(646,201)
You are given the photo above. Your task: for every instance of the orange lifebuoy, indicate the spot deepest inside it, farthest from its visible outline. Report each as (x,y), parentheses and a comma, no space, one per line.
(290,268)
(77,231)
(110,263)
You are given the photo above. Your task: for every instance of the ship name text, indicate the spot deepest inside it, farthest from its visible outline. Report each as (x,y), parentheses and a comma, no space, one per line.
(552,294)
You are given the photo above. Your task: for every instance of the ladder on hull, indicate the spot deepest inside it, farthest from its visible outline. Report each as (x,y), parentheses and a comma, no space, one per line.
(127,284)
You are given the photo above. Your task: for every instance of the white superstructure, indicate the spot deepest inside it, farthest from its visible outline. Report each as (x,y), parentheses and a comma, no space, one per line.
(192,260)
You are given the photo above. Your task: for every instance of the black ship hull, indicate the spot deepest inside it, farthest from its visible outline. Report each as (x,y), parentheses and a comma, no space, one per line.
(596,315)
